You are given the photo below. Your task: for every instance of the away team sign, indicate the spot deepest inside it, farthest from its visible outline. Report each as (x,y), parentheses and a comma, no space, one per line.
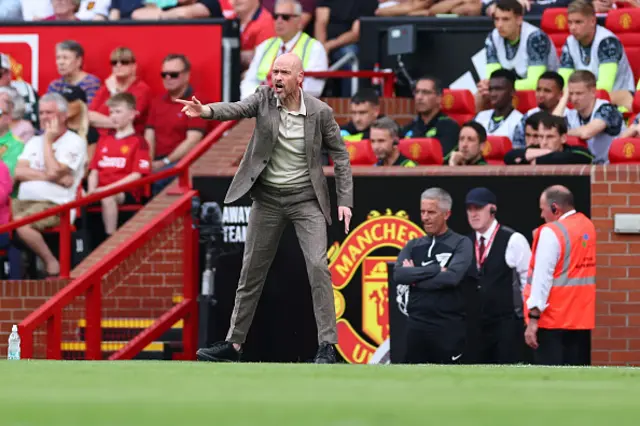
(355,253)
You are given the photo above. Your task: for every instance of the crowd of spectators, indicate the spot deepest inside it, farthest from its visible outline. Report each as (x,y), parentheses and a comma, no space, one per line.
(85,134)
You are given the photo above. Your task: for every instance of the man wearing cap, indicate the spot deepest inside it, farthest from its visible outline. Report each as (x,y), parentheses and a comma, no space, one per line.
(23,88)
(497,276)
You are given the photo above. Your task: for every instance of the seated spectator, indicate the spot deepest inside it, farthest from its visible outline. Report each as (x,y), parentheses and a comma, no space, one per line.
(594,120)
(10,146)
(385,134)
(308,10)
(531,126)
(10,10)
(518,46)
(594,48)
(532,7)
(430,121)
(633,131)
(403,7)
(121,158)
(337,27)
(256,26)
(94,10)
(455,7)
(549,91)
(178,9)
(502,119)
(171,134)
(69,60)
(24,89)
(470,144)
(552,148)
(64,10)
(122,9)
(123,79)
(21,128)
(36,10)
(49,171)
(78,117)
(288,38)
(364,109)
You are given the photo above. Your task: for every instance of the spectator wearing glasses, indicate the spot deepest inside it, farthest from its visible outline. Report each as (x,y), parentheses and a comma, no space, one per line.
(288,38)
(170,133)
(123,79)
(69,60)
(180,9)
(308,9)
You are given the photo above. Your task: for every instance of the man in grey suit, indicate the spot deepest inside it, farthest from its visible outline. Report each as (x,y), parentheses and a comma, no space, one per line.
(282,170)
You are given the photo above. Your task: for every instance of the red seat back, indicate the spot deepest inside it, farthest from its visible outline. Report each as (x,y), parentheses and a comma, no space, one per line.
(360,153)
(495,148)
(524,100)
(625,151)
(460,105)
(424,151)
(556,24)
(623,20)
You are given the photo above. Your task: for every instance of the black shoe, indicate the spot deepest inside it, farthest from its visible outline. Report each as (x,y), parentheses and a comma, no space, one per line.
(219,352)
(326,354)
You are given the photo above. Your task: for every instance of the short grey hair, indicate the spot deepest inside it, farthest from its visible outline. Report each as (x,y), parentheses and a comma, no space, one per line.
(386,123)
(12,97)
(72,46)
(297,7)
(61,102)
(441,196)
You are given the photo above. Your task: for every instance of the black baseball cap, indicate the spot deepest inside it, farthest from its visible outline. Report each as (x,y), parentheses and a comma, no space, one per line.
(74,93)
(480,197)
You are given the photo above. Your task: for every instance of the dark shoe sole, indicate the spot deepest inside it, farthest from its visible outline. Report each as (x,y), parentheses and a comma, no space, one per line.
(205,357)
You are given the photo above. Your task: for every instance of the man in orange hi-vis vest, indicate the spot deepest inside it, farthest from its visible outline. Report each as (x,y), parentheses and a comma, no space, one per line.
(560,294)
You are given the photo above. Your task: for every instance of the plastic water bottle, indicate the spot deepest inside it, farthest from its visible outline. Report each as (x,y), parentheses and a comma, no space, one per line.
(13,351)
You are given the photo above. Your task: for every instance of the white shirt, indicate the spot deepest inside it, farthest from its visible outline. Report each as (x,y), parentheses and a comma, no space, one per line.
(517,255)
(40,9)
(317,62)
(547,256)
(70,150)
(90,8)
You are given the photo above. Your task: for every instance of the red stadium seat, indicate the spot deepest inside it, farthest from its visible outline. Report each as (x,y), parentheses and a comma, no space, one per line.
(623,21)
(625,151)
(524,100)
(495,149)
(576,141)
(556,24)
(460,105)
(603,94)
(360,153)
(424,151)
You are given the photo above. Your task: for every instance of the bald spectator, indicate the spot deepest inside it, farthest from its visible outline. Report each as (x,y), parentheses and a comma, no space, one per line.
(69,61)
(289,38)
(256,26)
(184,9)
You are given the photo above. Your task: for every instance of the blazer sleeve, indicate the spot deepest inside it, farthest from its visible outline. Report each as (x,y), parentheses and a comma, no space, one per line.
(332,140)
(246,108)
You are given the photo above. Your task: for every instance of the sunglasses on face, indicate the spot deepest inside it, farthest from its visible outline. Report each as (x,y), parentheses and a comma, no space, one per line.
(284,16)
(170,74)
(115,62)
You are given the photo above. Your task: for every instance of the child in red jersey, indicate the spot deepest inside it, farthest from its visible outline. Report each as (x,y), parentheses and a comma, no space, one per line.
(119,158)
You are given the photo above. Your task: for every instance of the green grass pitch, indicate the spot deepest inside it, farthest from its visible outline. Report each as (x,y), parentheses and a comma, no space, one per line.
(140,393)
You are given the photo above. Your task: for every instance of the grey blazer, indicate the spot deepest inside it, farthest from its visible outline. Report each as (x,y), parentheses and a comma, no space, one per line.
(320,129)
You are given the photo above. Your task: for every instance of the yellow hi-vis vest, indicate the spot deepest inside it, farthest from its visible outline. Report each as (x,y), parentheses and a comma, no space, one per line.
(302,49)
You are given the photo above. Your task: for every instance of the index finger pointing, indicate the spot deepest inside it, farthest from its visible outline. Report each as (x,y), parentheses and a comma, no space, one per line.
(183,102)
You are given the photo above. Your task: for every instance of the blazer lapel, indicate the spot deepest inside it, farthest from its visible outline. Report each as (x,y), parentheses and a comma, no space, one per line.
(309,129)
(275,120)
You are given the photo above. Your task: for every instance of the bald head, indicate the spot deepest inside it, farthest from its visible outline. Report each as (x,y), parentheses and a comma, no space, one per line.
(555,201)
(290,61)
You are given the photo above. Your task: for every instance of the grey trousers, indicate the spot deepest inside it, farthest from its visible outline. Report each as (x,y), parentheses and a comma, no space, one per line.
(272,208)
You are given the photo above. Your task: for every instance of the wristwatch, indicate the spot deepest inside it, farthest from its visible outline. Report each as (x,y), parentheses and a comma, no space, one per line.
(534,316)
(166,161)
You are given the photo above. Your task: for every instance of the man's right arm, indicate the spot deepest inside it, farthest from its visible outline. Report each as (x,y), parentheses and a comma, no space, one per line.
(412,274)
(224,111)
(25,173)
(455,271)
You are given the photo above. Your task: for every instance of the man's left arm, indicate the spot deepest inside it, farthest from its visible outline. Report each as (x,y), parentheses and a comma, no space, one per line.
(193,137)
(610,52)
(318,61)
(606,119)
(54,170)
(340,156)
(457,269)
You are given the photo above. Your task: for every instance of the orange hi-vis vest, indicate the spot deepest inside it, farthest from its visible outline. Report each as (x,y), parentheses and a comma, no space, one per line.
(572,300)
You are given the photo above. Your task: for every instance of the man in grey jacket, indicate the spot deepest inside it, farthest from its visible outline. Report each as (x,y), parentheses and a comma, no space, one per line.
(433,267)
(282,170)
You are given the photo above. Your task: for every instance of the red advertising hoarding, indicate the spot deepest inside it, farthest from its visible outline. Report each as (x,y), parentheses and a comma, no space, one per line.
(32,51)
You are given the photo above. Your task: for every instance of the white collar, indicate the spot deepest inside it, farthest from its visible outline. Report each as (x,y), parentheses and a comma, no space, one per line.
(567,214)
(487,234)
(289,45)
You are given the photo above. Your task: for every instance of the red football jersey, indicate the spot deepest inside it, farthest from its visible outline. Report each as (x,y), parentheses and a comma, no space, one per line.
(117,158)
